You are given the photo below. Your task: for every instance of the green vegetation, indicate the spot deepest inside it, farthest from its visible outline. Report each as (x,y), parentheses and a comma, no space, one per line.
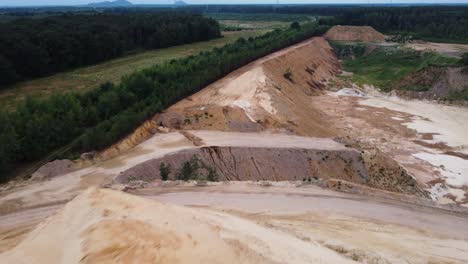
(87,78)
(344,50)
(31,48)
(458,95)
(464,60)
(100,117)
(385,66)
(259,17)
(212,174)
(189,169)
(441,23)
(237,22)
(164,171)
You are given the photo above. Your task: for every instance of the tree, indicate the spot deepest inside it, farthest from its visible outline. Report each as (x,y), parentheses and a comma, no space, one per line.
(189,170)
(464,60)
(295,25)
(8,145)
(212,174)
(7,72)
(164,171)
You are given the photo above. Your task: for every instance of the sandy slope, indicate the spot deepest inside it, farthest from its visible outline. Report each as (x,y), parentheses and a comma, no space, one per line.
(243,224)
(110,227)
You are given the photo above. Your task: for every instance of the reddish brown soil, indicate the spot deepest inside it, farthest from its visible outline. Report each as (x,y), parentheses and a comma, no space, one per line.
(354,33)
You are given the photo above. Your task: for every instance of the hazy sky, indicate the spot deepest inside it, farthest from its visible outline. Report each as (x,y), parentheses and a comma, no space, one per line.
(78,2)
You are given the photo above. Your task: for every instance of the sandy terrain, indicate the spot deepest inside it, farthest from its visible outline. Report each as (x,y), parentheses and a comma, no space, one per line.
(65,187)
(447,123)
(448,129)
(241,223)
(112,227)
(454,50)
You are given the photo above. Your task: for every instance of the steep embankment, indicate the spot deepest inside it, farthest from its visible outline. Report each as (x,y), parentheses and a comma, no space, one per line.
(272,93)
(354,33)
(322,160)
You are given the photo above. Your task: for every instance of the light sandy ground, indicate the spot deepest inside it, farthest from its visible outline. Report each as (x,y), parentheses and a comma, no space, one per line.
(447,125)
(448,122)
(241,223)
(111,227)
(455,50)
(265,139)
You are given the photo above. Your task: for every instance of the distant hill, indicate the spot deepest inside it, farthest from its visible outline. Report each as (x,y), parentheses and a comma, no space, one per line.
(116,3)
(180,3)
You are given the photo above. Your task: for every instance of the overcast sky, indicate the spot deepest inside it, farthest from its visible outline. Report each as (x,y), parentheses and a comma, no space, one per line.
(78,2)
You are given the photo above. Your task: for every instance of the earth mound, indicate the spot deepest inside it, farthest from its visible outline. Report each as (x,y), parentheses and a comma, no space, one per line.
(104,226)
(354,33)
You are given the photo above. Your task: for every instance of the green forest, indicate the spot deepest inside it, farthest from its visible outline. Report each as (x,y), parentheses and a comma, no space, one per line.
(37,47)
(99,118)
(436,23)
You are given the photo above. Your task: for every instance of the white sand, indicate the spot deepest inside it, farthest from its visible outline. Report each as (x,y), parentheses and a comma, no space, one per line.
(450,122)
(453,169)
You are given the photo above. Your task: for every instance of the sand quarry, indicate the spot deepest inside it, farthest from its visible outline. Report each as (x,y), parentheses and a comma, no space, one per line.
(310,172)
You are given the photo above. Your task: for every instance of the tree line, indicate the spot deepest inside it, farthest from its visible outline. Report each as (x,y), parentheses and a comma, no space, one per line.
(99,118)
(36,47)
(431,22)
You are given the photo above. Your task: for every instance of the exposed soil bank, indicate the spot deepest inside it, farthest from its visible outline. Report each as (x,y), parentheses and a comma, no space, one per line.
(284,164)
(354,33)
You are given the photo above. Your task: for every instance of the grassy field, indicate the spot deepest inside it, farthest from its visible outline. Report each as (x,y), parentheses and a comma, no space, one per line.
(252,25)
(385,66)
(259,17)
(87,78)
(258,21)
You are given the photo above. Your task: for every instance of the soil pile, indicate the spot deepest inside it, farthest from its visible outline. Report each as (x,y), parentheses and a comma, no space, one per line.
(103,226)
(354,33)
(53,169)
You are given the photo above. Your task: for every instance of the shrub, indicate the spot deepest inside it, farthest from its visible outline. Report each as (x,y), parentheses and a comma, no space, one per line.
(189,170)
(464,60)
(288,75)
(295,25)
(164,171)
(212,174)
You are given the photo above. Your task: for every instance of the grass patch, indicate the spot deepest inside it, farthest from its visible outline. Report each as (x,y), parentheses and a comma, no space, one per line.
(90,77)
(385,66)
(458,95)
(252,25)
(259,17)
